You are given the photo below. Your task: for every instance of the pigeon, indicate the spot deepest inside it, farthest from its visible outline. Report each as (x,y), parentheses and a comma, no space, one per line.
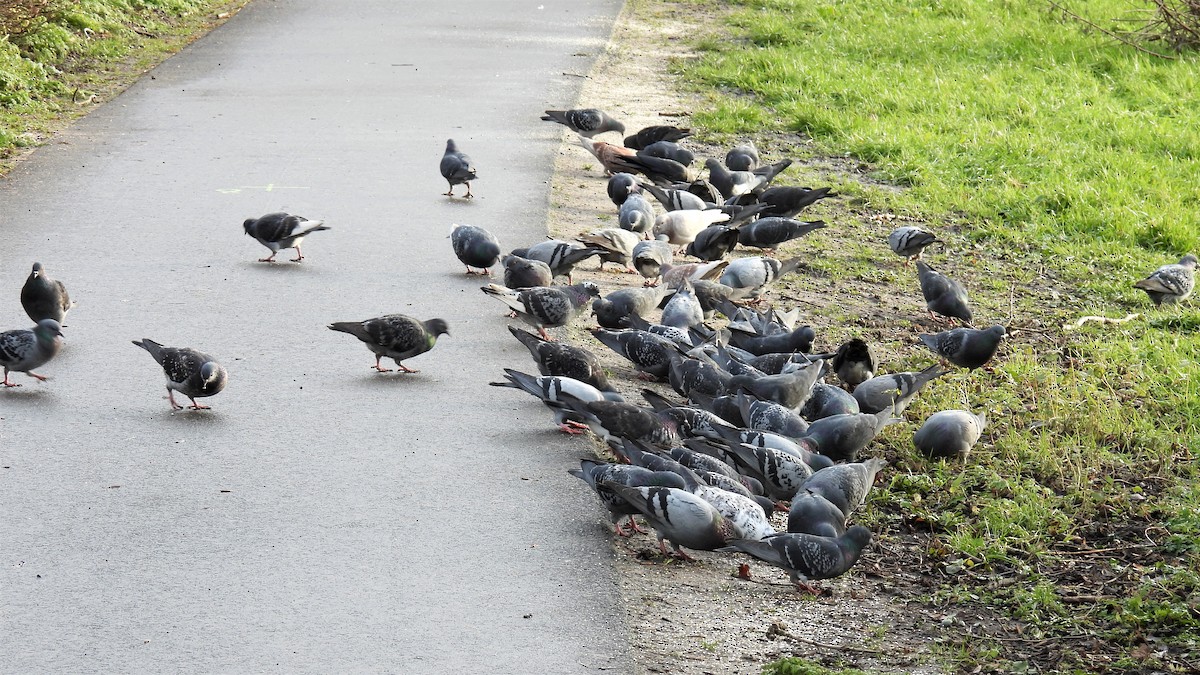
(613,420)
(703,189)
(615,245)
(673,275)
(747,516)
(281,230)
(767,233)
(949,433)
(654,134)
(742,158)
(854,362)
(1171,284)
(770,416)
(788,202)
(457,169)
(614,158)
(43,297)
(799,340)
(895,391)
(966,347)
(23,350)
(587,122)
(678,516)
(564,360)
(550,388)
(525,273)
(845,485)
(676,335)
(713,293)
(395,336)
(802,449)
(595,474)
(669,150)
(807,557)
(811,513)
(189,372)
(737,183)
(842,437)
(475,247)
(545,306)
(660,170)
(790,390)
(826,401)
(781,474)
(756,272)
(649,258)
(683,310)
(650,353)
(676,200)
(909,242)
(636,214)
(620,186)
(681,227)
(561,256)
(943,295)
(691,376)
(613,309)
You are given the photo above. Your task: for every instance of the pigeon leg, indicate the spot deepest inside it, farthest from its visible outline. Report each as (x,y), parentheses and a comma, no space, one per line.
(39,378)
(468,195)
(545,336)
(270,258)
(379,367)
(619,531)
(197,406)
(568,429)
(171,398)
(805,586)
(450,192)
(405,369)
(299,255)
(681,554)
(6,382)
(633,524)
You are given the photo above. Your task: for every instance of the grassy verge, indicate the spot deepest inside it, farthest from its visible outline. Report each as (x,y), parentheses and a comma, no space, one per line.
(1060,167)
(59,58)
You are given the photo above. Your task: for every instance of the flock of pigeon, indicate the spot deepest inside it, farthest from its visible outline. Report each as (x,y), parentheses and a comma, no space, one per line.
(758,430)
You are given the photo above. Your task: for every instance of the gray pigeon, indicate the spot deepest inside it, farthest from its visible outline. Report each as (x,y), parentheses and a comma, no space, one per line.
(525,273)
(649,258)
(550,389)
(842,437)
(676,335)
(811,513)
(564,360)
(43,297)
(885,392)
(943,295)
(767,233)
(636,214)
(561,256)
(949,433)
(846,485)
(614,420)
(790,390)
(1171,284)
(595,474)
(457,169)
(826,401)
(689,377)
(189,372)
(23,350)
(545,306)
(807,557)
(650,353)
(781,474)
(756,272)
(653,134)
(770,416)
(586,122)
(669,150)
(966,347)
(789,201)
(395,336)
(854,362)
(620,186)
(736,183)
(281,230)
(798,340)
(742,158)
(613,309)
(909,242)
(615,244)
(475,247)
(683,310)
(678,516)
(676,200)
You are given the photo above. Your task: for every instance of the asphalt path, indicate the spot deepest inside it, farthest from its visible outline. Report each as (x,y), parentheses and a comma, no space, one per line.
(322,517)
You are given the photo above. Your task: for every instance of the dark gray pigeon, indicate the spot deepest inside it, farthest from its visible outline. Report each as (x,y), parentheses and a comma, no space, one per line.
(689,377)
(636,214)
(653,134)
(475,247)
(189,372)
(845,485)
(742,157)
(714,242)
(545,306)
(650,353)
(23,350)
(798,340)
(807,557)
(613,309)
(281,230)
(43,297)
(615,245)
(650,256)
(525,273)
(767,233)
(756,273)
(586,122)
(854,362)
(712,294)
(561,256)
(678,516)
(949,433)
(670,150)
(943,295)
(621,185)
(790,389)
(595,474)
(842,437)
(826,401)
(457,169)
(909,242)
(811,513)
(550,390)
(395,336)
(676,200)
(788,201)
(966,347)
(612,421)
(885,392)
(770,416)
(1171,284)
(560,359)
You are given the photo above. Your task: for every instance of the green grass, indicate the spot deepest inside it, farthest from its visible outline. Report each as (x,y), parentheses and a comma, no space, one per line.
(1060,166)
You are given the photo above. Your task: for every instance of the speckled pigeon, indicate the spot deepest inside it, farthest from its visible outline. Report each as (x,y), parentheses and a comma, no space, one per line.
(807,557)
(561,359)
(615,420)
(475,247)
(584,121)
(550,389)
(943,295)
(1171,284)
(595,474)
(966,347)
(650,353)
(396,336)
(545,306)
(43,297)
(189,372)
(22,350)
(281,230)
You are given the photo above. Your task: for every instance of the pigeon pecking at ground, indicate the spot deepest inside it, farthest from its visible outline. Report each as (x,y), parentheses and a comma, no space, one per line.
(475,247)
(654,134)
(560,359)
(395,336)
(1171,284)
(949,433)
(550,389)
(943,295)
(189,372)
(545,306)
(281,230)
(966,347)
(23,350)
(678,516)
(807,557)
(586,122)
(457,169)
(894,391)
(767,233)
(525,273)
(742,157)
(909,242)
(43,297)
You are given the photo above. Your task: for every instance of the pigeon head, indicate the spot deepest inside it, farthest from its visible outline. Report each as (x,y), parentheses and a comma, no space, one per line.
(450,146)
(210,372)
(437,327)
(859,536)
(37,269)
(48,327)
(1188,260)
(998,331)
(248,225)
(590,288)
